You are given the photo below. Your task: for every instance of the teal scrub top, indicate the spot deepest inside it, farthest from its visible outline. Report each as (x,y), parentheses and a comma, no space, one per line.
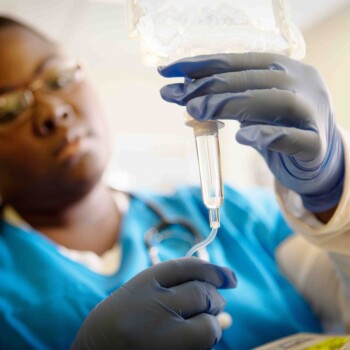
(44,296)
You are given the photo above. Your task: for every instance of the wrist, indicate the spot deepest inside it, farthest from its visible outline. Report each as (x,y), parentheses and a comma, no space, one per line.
(326,188)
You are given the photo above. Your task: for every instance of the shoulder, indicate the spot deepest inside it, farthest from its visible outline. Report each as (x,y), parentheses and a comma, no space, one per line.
(258,200)
(257,215)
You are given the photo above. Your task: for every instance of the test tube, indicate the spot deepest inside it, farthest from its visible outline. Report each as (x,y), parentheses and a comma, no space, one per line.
(208,153)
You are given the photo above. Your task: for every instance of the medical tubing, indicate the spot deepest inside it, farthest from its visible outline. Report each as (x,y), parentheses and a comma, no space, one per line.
(203,244)
(214,218)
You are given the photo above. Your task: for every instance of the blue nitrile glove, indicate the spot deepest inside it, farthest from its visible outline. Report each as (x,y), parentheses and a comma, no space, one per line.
(284,111)
(170,306)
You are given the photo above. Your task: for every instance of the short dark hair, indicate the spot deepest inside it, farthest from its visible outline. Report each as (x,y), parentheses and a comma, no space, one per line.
(6,21)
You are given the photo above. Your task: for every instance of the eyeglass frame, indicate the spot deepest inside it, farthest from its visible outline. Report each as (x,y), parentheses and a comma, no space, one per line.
(36,85)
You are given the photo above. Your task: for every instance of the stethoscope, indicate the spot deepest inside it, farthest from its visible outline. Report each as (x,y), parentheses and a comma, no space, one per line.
(162,231)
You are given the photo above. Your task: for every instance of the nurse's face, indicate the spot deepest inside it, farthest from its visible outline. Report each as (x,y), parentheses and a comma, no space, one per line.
(53,144)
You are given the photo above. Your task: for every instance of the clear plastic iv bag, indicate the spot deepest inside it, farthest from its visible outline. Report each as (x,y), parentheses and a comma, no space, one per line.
(173,29)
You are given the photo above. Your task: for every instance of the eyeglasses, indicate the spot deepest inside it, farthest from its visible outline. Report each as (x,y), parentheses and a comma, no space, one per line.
(57,76)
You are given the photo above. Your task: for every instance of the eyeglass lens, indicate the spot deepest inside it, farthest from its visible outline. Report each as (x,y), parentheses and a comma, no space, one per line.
(58,76)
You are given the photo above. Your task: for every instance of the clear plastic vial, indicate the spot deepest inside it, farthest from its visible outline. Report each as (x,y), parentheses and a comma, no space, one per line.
(208,154)
(210,169)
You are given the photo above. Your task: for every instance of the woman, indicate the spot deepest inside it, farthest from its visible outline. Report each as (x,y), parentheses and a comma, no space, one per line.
(67,242)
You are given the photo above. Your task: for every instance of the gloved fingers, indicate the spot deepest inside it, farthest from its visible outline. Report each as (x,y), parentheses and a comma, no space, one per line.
(197,333)
(177,271)
(207,65)
(302,144)
(227,82)
(204,331)
(193,298)
(275,107)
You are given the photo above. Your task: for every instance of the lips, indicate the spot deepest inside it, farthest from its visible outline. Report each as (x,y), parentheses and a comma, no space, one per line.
(69,148)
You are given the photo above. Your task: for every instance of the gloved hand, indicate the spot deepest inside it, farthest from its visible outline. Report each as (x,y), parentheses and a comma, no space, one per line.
(284,112)
(168,306)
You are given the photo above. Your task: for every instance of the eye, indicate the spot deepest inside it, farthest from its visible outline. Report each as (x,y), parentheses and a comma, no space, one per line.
(63,77)
(13,105)
(7,116)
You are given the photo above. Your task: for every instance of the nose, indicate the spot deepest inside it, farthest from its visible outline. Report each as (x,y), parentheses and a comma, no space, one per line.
(50,114)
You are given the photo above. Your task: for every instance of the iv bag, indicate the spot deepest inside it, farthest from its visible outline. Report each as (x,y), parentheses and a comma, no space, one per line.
(172,29)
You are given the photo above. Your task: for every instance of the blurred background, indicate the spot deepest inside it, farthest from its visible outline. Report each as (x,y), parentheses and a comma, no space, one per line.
(151,145)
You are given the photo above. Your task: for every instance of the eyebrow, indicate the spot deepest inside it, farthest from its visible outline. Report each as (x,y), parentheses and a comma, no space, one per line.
(37,70)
